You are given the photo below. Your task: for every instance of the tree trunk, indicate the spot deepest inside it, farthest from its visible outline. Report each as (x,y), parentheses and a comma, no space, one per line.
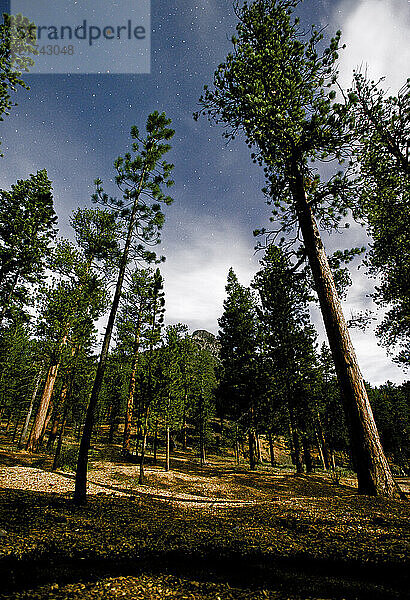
(237,452)
(45,425)
(9,296)
(258,448)
(251,442)
(167,443)
(322,445)
(42,410)
(141,477)
(297,456)
(126,445)
(11,413)
(320,450)
(332,460)
(59,409)
(236,448)
(201,443)
(113,426)
(373,471)
(155,441)
(307,454)
(24,433)
(184,427)
(202,451)
(78,431)
(80,492)
(41,415)
(56,462)
(54,431)
(144,444)
(271,450)
(16,425)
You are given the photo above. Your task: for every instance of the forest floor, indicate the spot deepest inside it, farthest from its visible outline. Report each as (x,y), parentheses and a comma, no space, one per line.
(214,532)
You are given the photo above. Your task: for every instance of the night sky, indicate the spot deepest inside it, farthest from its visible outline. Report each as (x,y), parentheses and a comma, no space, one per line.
(76,125)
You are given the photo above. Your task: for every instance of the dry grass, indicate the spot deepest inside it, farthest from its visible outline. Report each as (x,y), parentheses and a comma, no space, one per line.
(219,531)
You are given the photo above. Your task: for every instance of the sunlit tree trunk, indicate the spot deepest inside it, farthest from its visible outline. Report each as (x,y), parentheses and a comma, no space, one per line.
(42,410)
(126,446)
(24,433)
(258,447)
(322,445)
(38,426)
(373,471)
(167,445)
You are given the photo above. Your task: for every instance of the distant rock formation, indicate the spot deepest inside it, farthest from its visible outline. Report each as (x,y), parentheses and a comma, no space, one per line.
(206,341)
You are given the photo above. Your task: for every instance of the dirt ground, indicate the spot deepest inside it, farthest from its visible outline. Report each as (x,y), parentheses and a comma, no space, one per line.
(217,531)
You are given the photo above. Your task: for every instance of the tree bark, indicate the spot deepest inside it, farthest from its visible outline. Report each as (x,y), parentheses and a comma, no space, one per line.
(271,450)
(251,443)
(24,433)
(307,454)
(16,425)
(42,410)
(59,409)
(320,450)
(167,444)
(184,426)
(143,447)
(236,448)
(11,413)
(322,445)
(45,425)
(155,441)
(373,471)
(258,448)
(56,462)
(113,425)
(126,445)
(251,439)
(294,434)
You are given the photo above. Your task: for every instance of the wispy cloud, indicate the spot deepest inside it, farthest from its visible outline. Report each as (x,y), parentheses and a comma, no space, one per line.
(376,34)
(196,270)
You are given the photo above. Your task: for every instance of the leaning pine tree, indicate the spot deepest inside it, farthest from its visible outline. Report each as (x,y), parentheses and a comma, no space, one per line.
(276,87)
(140,178)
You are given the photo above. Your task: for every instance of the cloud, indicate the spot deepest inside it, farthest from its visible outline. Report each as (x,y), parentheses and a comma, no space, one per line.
(196,270)
(375,363)
(376,34)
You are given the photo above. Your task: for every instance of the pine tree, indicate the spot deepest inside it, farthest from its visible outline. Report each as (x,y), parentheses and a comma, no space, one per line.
(288,340)
(238,336)
(27,221)
(139,320)
(140,179)
(381,190)
(276,87)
